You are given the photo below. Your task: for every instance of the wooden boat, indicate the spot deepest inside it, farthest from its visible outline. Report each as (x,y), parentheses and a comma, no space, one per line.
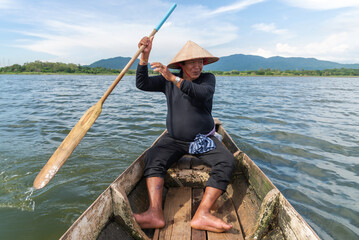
(252,204)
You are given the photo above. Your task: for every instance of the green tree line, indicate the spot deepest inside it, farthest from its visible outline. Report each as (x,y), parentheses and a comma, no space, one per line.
(39,67)
(274,72)
(58,68)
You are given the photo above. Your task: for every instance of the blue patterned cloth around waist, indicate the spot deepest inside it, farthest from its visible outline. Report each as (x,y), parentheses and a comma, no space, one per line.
(202,143)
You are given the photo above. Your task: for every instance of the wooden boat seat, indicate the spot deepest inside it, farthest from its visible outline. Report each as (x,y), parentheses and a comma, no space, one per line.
(189,161)
(188,171)
(180,205)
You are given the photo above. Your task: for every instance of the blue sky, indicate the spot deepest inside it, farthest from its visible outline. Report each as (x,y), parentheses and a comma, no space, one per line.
(82,32)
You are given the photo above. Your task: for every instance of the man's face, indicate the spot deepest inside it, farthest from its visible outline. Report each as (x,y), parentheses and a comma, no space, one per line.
(193,67)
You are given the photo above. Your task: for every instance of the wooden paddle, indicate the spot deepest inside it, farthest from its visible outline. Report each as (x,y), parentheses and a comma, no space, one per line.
(80,129)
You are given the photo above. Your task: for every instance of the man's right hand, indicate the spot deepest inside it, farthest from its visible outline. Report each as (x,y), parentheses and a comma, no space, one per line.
(146,41)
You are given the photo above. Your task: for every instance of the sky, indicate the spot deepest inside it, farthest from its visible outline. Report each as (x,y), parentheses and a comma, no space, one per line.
(82,32)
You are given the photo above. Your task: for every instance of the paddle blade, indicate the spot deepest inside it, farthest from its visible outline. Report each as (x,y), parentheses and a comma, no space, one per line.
(68,146)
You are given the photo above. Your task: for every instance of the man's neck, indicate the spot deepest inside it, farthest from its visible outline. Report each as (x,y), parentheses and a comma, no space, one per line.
(187,77)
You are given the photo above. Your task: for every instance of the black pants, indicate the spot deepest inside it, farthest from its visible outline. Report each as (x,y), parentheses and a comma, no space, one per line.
(168,150)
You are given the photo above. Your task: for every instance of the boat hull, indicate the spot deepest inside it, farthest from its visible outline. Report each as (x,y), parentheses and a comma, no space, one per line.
(261,210)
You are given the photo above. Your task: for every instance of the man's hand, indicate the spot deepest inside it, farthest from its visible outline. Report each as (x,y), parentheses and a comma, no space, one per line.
(146,41)
(163,69)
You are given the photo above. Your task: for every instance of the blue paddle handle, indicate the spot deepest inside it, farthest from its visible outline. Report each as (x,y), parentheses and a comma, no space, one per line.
(165,18)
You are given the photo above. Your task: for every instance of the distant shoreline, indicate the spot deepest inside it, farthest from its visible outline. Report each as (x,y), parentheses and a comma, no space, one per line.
(48,68)
(219,75)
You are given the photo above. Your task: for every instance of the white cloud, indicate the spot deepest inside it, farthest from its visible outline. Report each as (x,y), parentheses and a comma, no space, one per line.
(96,35)
(323,4)
(86,34)
(79,42)
(270,28)
(7,4)
(330,48)
(237,6)
(81,36)
(209,36)
(335,39)
(262,52)
(287,50)
(347,21)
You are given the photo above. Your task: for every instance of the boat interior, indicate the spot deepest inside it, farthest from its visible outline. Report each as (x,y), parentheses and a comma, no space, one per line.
(184,188)
(252,204)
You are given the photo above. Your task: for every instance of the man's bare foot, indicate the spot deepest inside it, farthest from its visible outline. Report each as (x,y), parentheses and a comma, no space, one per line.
(152,218)
(206,221)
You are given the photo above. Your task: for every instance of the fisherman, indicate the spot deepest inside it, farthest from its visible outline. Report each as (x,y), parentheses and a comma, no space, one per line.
(190,129)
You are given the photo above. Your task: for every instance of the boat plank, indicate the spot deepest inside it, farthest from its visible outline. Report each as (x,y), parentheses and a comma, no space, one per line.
(292,224)
(246,204)
(227,140)
(90,224)
(177,213)
(124,215)
(225,210)
(113,231)
(156,234)
(197,194)
(139,197)
(267,216)
(257,179)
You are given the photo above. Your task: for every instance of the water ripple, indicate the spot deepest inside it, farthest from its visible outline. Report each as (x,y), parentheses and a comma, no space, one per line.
(302,132)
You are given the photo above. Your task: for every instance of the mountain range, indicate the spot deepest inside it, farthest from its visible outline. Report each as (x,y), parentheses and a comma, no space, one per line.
(114,63)
(243,62)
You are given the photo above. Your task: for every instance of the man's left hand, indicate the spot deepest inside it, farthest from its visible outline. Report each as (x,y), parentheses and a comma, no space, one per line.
(163,70)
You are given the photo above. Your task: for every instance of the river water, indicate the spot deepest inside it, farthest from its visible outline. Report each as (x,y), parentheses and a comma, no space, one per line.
(302,132)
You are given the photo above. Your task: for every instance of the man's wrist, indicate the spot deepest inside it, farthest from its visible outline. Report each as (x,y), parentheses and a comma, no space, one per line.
(176,80)
(143,61)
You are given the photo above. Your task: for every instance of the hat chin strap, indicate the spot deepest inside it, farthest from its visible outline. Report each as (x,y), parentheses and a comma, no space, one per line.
(178,64)
(186,72)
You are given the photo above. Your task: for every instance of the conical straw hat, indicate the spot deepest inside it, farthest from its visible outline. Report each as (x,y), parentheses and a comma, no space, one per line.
(191,51)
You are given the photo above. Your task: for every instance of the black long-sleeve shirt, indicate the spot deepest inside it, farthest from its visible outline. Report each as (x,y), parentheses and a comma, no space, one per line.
(189,109)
